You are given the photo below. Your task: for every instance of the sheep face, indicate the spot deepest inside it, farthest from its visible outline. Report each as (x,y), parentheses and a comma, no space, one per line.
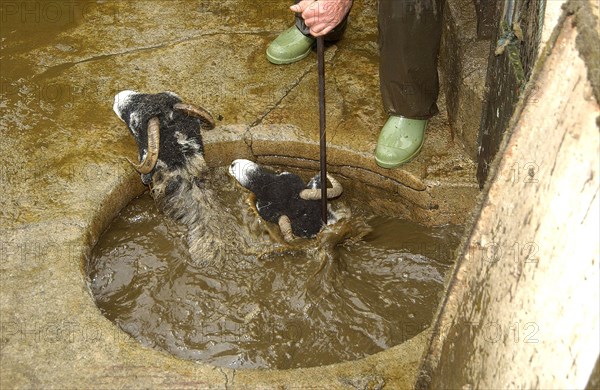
(279,194)
(162,125)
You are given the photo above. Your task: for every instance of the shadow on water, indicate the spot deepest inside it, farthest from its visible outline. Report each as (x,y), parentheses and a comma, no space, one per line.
(362,286)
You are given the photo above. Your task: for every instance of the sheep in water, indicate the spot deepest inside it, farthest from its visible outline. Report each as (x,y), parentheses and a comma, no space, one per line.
(169,139)
(168,135)
(285,199)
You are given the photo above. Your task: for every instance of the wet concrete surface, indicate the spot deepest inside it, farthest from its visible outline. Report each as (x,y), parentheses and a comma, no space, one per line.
(64,175)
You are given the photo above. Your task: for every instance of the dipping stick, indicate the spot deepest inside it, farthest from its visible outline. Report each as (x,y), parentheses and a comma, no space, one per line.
(323,155)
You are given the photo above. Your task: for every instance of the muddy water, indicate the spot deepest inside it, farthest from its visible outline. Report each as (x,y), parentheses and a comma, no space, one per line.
(283,309)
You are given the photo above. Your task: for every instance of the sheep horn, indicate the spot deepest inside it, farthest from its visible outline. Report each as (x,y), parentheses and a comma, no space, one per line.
(285,225)
(198,112)
(315,193)
(149,162)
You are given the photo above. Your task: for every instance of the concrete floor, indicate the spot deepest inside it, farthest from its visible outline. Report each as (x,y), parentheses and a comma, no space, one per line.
(64,174)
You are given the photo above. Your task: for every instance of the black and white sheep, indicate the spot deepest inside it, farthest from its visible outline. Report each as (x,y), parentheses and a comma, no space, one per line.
(169,139)
(284,198)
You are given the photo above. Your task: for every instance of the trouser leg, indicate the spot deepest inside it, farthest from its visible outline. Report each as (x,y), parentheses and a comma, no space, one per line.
(409,41)
(332,36)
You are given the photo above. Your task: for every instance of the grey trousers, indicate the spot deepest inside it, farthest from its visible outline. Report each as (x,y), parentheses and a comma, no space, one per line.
(409,42)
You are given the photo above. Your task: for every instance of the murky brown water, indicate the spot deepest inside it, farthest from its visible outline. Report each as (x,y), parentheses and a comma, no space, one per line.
(277,310)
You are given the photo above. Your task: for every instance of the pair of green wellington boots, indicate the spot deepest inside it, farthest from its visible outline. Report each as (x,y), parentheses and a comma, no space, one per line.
(400,138)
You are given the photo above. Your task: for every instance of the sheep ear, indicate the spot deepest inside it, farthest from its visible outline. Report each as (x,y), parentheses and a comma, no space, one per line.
(197,112)
(149,162)
(286,228)
(315,193)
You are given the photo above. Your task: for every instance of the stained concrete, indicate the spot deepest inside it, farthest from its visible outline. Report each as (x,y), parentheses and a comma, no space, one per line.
(522,308)
(64,175)
(464,58)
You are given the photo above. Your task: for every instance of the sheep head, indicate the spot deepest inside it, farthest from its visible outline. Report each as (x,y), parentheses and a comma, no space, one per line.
(165,129)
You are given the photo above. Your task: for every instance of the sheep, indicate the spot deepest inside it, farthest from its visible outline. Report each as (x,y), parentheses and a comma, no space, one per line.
(285,199)
(169,140)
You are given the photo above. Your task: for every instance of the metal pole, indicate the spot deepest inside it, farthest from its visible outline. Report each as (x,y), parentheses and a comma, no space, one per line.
(323,144)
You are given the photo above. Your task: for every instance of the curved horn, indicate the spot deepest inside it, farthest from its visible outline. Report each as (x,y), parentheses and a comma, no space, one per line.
(315,193)
(285,225)
(198,112)
(149,162)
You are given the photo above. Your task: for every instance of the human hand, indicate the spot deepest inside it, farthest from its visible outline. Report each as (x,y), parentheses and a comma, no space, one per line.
(322,16)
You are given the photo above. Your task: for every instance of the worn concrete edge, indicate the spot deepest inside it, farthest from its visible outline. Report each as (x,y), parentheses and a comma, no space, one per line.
(594,382)
(262,141)
(588,41)
(395,368)
(444,318)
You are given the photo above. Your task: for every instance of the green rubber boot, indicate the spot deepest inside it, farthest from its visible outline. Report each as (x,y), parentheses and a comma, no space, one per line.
(290,46)
(400,140)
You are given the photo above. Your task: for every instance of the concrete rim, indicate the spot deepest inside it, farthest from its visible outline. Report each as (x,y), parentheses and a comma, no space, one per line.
(222,146)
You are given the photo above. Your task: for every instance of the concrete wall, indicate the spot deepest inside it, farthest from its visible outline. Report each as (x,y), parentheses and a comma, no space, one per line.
(478,98)
(522,307)
(511,59)
(463,62)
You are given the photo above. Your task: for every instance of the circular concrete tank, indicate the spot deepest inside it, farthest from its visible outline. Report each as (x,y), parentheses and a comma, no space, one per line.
(409,197)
